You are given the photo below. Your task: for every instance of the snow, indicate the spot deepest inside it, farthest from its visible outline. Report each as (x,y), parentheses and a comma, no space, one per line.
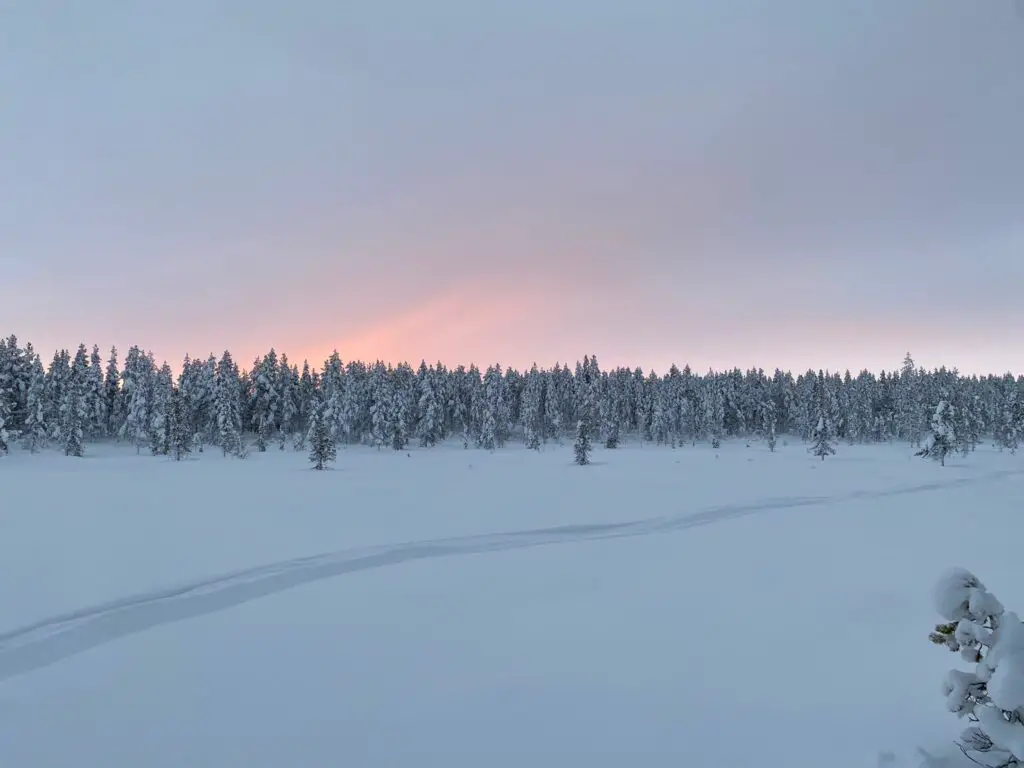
(959,594)
(1006,662)
(463,608)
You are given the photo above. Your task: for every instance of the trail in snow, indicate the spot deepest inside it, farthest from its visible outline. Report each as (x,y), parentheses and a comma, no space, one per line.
(50,640)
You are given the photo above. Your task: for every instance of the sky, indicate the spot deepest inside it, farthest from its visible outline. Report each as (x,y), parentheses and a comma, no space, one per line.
(752,183)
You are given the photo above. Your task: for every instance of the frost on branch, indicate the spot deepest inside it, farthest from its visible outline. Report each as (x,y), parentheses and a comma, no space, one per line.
(992,695)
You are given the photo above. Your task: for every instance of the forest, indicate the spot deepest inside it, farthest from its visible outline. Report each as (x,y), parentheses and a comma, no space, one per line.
(80,399)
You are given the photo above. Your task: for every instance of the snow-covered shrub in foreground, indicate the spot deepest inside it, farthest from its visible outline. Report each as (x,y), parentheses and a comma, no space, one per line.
(991,696)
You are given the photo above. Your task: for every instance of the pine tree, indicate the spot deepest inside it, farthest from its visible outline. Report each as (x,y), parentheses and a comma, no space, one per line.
(321,445)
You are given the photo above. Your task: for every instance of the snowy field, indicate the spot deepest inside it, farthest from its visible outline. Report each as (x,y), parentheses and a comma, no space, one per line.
(467,609)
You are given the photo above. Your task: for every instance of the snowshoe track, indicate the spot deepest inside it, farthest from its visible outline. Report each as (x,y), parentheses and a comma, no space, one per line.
(45,642)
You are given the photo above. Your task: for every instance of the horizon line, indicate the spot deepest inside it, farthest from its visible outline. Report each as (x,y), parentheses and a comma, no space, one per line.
(393,363)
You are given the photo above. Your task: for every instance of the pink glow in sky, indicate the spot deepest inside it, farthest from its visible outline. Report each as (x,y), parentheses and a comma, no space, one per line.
(719,184)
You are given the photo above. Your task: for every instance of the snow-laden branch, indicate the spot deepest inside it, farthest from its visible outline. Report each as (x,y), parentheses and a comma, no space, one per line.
(992,695)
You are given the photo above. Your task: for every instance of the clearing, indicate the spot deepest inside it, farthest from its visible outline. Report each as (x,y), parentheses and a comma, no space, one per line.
(688,607)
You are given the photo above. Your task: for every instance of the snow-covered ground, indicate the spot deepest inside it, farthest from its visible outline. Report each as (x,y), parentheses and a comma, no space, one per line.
(661,607)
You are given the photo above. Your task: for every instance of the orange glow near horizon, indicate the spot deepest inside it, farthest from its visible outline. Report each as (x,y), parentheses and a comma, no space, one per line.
(475,322)
(534,318)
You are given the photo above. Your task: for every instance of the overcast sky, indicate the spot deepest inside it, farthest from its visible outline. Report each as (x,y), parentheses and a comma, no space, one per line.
(772,183)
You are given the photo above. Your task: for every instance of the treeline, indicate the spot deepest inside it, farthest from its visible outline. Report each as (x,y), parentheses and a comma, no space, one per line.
(81,398)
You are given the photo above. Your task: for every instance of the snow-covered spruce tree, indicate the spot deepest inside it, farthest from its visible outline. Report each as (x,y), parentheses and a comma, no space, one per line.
(205,409)
(398,419)
(1011,421)
(321,445)
(160,412)
(179,425)
(644,403)
(532,410)
(288,388)
(717,424)
(468,408)
(942,440)
(353,410)
(661,424)
(582,447)
(113,397)
(834,410)
(190,387)
(553,408)
(227,406)
(610,409)
(137,384)
(34,435)
(96,402)
(969,423)
(495,410)
(768,422)
(584,424)
(992,696)
(57,375)
(7,393)
(822,434)
(488,426)
(380,404)
(305,398)
(611,432)
(265,399)
(74,406)
(431,424)
(908,402)
(4,416)
(333,385)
